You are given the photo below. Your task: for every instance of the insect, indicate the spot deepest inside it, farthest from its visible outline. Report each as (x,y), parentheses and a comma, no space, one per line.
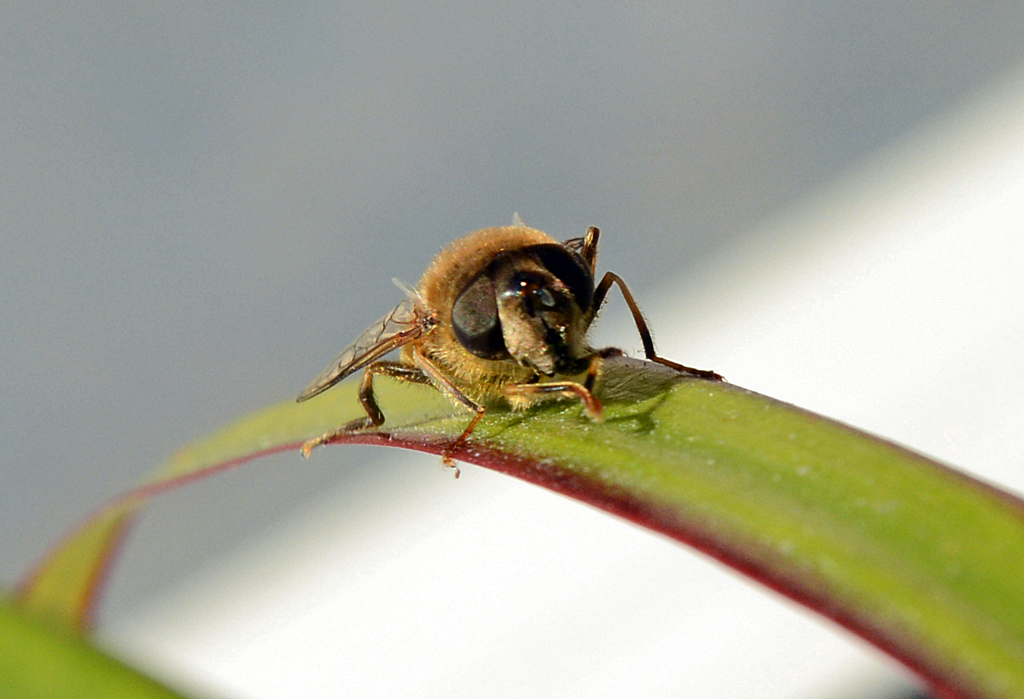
(501,315)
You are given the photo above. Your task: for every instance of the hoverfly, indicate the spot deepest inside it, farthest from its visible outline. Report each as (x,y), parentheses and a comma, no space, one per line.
(500,316)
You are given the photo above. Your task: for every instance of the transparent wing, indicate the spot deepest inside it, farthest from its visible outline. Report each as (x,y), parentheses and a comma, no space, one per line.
(407,322)
(574,244)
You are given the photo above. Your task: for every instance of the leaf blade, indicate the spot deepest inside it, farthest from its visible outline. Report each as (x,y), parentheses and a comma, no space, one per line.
(37,662)
(916,558)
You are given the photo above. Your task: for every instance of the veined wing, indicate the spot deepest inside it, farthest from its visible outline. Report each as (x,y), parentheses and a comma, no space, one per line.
(407,322)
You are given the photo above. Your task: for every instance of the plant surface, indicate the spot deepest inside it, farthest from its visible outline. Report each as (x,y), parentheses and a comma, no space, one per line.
(920,560)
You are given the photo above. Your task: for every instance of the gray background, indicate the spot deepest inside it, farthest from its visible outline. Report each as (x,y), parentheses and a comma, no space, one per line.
(200,206)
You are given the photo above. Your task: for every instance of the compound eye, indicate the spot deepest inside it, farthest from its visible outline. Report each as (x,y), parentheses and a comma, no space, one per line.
(475,320)
(570,268)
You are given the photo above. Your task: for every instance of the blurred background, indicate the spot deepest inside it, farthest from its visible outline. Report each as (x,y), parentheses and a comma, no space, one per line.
(201,205)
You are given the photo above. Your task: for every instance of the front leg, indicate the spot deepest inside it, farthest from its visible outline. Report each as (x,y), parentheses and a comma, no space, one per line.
(529,393)
(641,325)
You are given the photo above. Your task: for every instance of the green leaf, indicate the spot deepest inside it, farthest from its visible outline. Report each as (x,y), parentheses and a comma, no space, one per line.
(38,662)
(65,585)
(918,559)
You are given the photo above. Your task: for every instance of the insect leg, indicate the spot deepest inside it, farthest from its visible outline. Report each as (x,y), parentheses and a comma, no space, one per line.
(444,384)
(559,389)
(374,416)
(396,370)
(569,389)
(641,325)
(595,365)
